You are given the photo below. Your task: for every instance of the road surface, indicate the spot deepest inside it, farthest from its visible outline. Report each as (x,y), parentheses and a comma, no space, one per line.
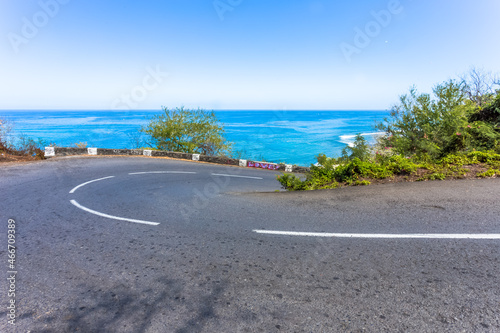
(155,245)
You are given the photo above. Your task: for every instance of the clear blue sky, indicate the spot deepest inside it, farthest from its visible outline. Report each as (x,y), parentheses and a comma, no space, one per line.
(278,55)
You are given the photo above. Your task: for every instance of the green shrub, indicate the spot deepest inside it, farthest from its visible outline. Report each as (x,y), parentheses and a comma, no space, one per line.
(401,165)
(188,131)
(433,176)
(360,149)
(489,114)
(291,182)
(489,157)
(5,142)
(420,124)
(453,159)
(434,135)
(357,172)
(446,124)
(481,136)
(489,173)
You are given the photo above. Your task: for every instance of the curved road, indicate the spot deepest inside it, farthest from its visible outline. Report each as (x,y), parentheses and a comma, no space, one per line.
(155,245)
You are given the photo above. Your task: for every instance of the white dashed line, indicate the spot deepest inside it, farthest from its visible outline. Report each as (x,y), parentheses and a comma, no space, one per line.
(91,181)
(143,173)
(223,175)
(76,204)
(111,216)
(390,236)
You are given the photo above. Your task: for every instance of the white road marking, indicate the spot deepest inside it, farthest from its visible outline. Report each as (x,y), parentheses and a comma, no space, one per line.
(223,175)
(391,236)
(76,204)
(143,173)
(91,181)
(111,216)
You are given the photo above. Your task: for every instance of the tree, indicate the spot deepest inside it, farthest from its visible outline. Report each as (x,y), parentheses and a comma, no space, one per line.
(189,131)
(447,122)
(479,86)
(420,124)
(360,149)
(489,113)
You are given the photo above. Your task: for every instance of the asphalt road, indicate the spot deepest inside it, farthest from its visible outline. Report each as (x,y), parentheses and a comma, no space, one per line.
(202,268)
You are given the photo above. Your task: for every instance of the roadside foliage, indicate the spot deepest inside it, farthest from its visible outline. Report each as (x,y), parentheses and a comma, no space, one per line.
(188,131)
(453,133)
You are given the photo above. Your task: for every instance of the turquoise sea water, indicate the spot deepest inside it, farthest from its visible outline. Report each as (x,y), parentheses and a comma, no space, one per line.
(294,137)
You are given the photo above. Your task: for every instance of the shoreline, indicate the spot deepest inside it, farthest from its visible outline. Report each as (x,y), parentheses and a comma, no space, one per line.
(293,137)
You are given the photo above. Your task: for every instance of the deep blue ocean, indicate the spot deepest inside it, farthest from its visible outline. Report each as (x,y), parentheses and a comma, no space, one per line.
(293,137)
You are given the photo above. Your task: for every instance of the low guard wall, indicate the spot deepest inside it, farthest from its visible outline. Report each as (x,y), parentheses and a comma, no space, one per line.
(61,151)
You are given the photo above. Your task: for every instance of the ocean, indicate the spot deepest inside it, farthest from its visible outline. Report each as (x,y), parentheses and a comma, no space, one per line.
(293,137)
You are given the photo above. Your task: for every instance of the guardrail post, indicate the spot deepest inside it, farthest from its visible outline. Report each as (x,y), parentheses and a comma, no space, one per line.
(50,151)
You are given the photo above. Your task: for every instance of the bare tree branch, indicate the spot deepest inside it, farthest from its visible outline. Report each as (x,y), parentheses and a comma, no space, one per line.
(479,85)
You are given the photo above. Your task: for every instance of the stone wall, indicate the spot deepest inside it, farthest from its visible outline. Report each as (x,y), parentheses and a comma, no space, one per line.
(61,151)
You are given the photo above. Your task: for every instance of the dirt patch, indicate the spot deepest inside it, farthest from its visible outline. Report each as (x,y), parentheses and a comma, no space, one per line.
(11,159)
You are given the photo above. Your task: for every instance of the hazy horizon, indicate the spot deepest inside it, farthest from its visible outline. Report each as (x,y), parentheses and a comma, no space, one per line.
(229,110)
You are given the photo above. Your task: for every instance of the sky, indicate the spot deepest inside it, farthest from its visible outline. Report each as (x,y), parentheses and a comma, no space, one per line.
(237,54)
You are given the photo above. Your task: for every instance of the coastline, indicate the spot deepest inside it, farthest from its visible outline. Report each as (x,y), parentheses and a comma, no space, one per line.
(293,137)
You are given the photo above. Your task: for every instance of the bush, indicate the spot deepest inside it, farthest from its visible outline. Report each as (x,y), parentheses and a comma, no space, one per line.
(434,135)
(360,149)
(422,125)
(188,131)
(484,127)
(357,172)
(400,165)
(489,173)
(436,176)
(291,182)
(21,146)
(81,145)
(482,156)
(451,122)
(29,147)
(5,129)
(490,113)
